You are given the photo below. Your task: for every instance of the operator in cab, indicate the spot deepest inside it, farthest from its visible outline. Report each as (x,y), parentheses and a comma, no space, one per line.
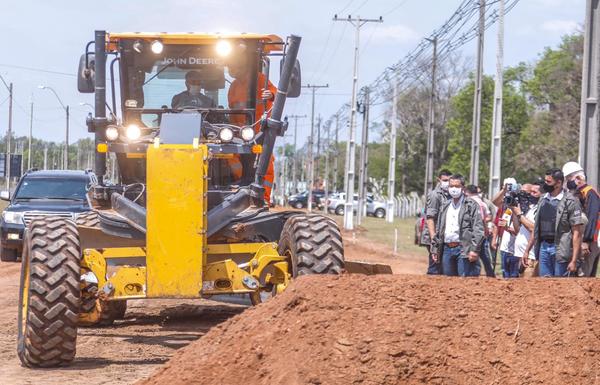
(238,97)
(192,97)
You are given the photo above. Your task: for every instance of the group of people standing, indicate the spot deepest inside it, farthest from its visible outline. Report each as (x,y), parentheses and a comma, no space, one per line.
(547,228)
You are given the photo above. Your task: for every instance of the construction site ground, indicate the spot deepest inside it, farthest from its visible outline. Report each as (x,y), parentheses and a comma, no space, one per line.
(406,328)
(153,330)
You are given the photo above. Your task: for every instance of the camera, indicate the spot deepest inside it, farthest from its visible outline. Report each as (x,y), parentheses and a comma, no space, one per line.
(514,196)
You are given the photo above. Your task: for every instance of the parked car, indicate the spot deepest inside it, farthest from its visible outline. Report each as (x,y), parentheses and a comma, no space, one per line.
(300,200)
(374,207)
(40,194)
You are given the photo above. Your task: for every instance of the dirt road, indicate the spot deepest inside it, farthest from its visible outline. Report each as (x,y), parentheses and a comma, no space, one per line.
(151,333)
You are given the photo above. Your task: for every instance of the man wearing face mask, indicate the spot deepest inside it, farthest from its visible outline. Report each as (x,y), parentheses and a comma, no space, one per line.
(460,233)
(435,201)
(192,97)
(590,201)
(558,227)
(525,222)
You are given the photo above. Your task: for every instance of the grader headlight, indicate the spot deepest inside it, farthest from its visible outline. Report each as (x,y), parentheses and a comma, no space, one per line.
(223,48)
(226,134)
(157,46)
(247,134)
(133,132)
(111,133)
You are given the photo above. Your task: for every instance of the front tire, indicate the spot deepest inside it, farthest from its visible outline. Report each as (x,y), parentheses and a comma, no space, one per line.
(49,293)
(313,244)
(339,210)
(379,213)
(298,205)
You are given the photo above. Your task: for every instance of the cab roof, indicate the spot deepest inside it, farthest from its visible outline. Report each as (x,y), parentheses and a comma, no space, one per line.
(192,37)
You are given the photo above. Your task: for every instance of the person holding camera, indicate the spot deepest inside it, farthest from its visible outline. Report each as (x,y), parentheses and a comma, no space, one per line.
(525,222)
(506,229)
(590,201)
(436,199)
(459,236)
(558,229)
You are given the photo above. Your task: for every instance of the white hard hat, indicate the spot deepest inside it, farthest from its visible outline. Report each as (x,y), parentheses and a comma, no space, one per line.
(571,168)
(509,181)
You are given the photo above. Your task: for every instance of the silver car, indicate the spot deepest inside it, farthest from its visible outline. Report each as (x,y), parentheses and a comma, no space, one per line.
(336,203)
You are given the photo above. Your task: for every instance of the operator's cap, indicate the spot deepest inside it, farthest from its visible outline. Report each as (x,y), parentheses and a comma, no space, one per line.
(571,168)
(509,181)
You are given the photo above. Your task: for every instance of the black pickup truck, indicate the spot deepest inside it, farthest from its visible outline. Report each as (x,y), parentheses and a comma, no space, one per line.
(38,194)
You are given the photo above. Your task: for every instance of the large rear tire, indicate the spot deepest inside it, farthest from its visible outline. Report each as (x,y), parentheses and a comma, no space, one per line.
(314,244)
(49,293)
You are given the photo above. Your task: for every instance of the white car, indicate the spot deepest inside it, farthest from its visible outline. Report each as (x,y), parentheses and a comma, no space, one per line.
(336,203)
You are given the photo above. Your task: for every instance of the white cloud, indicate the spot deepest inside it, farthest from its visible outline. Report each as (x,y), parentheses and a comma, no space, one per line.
(396,33)
(560,26)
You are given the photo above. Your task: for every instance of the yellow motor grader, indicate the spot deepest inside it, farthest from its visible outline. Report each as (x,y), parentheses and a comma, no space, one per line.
(179,221)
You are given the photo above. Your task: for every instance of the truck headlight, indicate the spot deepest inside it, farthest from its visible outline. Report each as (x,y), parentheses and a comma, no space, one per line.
(223,48)
(226,134)
(13,217)
(133,132)
(112,133)
(247,133)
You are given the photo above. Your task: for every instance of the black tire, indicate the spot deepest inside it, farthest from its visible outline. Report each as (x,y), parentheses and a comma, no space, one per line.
(339,210)
(298,205)
(49,293)
(379,213)
(314,244)
(8,255)
(88,219)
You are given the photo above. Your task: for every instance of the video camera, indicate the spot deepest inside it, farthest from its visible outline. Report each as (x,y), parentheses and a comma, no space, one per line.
(514,196)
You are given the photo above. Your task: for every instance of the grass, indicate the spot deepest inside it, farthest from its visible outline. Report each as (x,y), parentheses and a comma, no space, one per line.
(382,232)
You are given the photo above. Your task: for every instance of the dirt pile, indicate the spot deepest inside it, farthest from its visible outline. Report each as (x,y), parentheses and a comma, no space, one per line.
(404,329)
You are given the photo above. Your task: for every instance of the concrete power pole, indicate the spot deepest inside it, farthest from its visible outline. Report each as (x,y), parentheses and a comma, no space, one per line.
(364,159)
(496,149)
(474,175)
(429,164)
(30,135)
(326,179)
(294,158)
(311,143)
(589,132)
(348,207)
(337,153)
(389,212)
(9,87)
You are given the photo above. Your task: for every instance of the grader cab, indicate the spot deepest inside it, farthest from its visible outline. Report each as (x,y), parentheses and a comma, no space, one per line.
(181,220)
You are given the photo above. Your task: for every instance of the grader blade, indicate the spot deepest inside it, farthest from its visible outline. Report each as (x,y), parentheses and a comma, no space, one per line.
(367,268)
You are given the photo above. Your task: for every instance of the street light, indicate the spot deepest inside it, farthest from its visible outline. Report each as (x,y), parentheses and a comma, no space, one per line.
(66,108)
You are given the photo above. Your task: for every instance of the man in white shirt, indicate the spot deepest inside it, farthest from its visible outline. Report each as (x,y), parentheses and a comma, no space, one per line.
(525,222)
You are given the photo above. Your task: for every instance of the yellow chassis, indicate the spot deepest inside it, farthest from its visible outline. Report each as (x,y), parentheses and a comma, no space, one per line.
(176,261)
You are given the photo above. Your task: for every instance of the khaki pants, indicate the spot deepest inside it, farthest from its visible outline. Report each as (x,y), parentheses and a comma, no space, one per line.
(532,270)
(591,261)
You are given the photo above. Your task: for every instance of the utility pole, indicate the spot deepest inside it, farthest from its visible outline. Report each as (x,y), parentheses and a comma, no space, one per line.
(294,166)
(9,87)
(496,149)
(589,132)
(318,158)
(364,156)
(30,135)
(337,153)
(389,212)
(310,147)
(348,207)
(429,164)
(475,139)
(45,157)
(326,179)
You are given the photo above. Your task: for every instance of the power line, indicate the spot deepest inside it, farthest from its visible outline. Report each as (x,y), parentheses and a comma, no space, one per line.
(37,70)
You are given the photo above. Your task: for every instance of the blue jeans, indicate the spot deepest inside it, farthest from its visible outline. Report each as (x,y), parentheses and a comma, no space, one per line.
(486,259)
(434,268)
(547,259)
(450,260)
(561,269)
(510,265)
(467,268)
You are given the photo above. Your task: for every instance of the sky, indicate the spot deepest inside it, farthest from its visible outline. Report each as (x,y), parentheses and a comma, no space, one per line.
(51,35)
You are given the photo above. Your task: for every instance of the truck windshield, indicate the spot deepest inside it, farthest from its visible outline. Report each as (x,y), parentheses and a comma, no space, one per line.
(52,188)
